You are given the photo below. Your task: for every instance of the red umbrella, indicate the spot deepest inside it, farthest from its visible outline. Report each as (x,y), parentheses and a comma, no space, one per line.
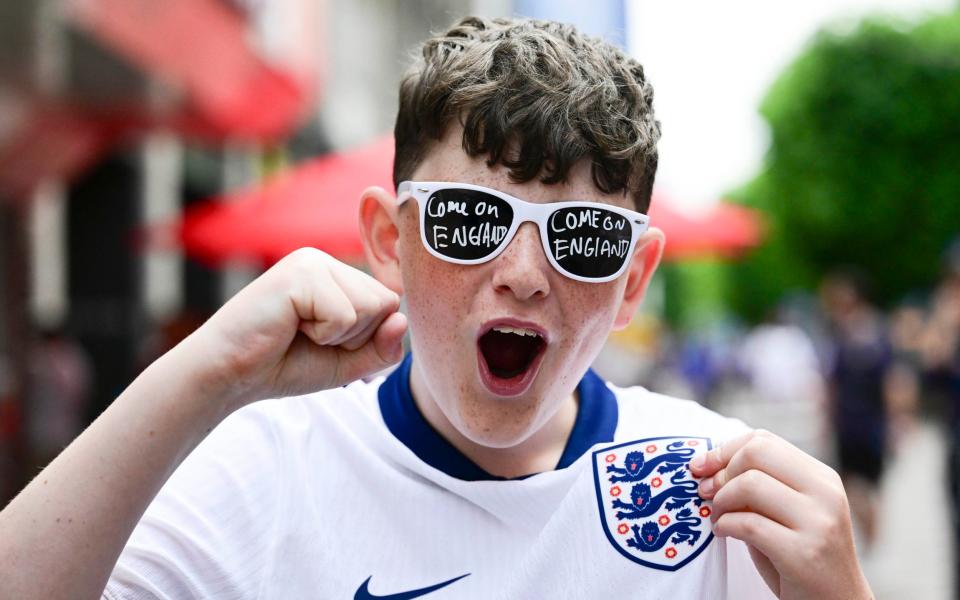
(317,203)
(726,230)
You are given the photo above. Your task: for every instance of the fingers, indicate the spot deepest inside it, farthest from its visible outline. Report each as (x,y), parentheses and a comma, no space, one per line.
(764,534)
(326,325)
(762,451)
(788,507)
(705,465)
(756,491)
(371,300)
(372,303)
(353,315)
(383,349)
(355,339)
(339,305)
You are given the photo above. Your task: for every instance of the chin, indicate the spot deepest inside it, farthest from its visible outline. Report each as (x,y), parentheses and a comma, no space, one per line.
(495,422)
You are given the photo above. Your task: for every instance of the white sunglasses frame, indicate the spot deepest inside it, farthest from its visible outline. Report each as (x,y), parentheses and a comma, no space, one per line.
(523,212)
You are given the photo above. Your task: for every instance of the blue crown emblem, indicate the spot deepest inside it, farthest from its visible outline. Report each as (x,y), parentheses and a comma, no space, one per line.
(649,506)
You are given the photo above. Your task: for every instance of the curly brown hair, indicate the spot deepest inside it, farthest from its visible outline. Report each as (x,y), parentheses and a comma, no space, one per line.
(536,97)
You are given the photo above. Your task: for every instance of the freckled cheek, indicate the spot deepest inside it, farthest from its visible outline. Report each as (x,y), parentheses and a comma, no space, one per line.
(438,292)
(437,300)
(431,309)
(588,313)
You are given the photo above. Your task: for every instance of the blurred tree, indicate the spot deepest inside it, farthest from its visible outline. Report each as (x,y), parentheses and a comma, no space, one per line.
(696,292)
(864,163)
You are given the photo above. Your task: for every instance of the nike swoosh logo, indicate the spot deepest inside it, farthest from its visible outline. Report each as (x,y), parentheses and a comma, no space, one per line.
(363,593)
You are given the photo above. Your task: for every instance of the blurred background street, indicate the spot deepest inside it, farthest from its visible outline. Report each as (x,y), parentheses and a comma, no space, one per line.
(156,156)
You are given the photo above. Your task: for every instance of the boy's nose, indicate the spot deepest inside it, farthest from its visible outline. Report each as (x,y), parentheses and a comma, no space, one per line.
(522,268)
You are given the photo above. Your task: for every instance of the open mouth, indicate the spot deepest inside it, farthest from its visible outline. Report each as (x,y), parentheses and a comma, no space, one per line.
(509,357)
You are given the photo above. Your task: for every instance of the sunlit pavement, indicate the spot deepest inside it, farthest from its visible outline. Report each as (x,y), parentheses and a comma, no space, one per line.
(911,558)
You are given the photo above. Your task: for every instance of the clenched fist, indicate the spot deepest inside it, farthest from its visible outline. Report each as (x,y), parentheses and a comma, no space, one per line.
(309,323)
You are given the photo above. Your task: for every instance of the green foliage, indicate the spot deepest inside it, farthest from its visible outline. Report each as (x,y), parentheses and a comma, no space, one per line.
(864,163)
(696,292)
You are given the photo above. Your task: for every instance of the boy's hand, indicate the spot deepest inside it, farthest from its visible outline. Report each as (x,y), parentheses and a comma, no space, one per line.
(790,509)
(309,323)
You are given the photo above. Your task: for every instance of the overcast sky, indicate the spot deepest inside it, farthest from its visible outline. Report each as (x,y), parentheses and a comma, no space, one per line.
(711,63)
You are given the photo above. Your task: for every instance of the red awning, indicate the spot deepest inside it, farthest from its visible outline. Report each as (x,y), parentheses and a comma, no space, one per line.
(201,49)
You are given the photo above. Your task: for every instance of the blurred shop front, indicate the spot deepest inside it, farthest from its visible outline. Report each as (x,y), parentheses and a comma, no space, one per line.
(117,115)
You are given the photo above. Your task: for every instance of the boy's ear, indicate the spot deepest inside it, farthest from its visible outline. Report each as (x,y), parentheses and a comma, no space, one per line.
(378,228)
(646,257)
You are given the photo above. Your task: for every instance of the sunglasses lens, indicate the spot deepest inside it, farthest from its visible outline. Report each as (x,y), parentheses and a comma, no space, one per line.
(589,242)
(466,224)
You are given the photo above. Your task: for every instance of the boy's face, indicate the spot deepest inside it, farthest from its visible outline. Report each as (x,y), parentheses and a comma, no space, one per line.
(451,306)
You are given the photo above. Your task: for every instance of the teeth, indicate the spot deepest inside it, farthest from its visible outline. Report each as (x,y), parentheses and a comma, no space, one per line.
(516,330)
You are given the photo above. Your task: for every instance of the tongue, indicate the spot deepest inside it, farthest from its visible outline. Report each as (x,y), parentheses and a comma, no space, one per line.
(508,354)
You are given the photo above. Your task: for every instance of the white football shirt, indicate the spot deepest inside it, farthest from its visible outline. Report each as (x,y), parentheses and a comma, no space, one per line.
(349,493)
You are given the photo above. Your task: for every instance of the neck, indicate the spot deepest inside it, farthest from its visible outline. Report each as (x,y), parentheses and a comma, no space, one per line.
(539,452)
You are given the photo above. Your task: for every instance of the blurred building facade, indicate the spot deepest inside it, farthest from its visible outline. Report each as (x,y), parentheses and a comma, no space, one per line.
(104,134)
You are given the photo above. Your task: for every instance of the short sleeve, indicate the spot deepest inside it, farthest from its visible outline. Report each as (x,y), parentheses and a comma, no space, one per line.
(210,531)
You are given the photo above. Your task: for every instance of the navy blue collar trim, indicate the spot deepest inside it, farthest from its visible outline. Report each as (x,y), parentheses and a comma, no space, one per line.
(596,423)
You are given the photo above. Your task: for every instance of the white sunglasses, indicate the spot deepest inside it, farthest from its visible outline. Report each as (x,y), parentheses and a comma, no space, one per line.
(471,224)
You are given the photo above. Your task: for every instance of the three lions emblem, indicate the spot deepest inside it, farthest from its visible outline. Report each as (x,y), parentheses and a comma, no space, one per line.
(649,506)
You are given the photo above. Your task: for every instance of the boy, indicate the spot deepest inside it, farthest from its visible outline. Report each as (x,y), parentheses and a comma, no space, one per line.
(492,463)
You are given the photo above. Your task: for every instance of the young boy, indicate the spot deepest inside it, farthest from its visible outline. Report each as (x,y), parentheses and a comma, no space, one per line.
(492,463)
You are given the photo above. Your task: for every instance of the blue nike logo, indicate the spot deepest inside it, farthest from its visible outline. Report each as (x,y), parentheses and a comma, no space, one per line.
(363,593)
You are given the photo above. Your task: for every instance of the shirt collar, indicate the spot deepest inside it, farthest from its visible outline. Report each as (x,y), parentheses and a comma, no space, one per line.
(596,423)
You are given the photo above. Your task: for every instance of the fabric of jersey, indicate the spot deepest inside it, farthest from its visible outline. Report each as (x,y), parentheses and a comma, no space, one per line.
(318,497)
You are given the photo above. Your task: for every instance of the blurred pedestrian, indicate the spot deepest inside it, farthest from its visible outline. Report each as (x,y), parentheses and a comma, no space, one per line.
(857,365)
(784,371)
(903,381)
(941,364)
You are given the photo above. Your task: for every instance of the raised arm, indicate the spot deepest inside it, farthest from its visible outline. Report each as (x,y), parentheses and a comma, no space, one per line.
(309,323)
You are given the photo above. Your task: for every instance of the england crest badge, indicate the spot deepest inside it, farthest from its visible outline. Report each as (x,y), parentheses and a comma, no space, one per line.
(649,506)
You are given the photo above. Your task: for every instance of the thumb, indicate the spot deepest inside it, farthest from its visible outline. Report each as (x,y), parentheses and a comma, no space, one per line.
(384,348)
